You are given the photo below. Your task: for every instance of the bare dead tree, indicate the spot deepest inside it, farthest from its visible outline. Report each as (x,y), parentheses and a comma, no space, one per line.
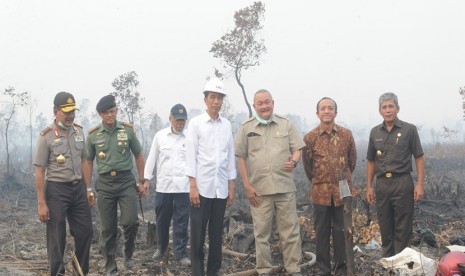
(127,96)
(241,48)
(15,101)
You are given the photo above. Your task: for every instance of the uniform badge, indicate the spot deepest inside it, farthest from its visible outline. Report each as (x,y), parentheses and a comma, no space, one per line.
(60,159)
(78,138)
(122,135)
(101,155)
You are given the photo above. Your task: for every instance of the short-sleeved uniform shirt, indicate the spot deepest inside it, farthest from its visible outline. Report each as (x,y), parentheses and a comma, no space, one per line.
(392,151)
(112,147)
(267,148)
(60,153)
(326,156)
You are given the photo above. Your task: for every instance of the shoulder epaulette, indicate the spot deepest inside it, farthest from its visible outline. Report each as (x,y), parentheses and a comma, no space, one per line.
(78,125)
(281,116)
(127,124)
(248,120)
(45,131)
(93,129)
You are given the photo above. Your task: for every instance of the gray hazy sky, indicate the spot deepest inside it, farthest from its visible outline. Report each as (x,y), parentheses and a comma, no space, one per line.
(351,51)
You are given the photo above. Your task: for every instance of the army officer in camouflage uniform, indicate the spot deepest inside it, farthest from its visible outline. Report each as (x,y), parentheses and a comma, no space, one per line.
(61,193)
(111,144)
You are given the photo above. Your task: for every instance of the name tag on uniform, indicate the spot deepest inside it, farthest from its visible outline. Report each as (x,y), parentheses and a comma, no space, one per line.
(379,140)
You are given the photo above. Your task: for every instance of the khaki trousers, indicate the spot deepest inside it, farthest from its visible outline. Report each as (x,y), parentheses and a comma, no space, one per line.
(284,207)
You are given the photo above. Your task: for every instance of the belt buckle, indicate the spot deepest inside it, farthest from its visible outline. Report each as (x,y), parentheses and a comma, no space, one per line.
(75,182)
(388,175)
(113,173)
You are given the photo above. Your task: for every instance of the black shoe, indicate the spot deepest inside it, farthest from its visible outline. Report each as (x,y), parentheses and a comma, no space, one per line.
(128,263)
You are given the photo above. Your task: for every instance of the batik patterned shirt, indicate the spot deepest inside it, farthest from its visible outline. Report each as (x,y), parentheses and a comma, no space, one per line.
(328,157)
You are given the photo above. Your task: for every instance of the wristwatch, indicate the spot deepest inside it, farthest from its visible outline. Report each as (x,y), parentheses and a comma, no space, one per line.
(295,162)
(89,189)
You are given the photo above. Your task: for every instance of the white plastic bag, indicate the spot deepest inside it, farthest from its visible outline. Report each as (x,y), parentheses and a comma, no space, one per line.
(422,265)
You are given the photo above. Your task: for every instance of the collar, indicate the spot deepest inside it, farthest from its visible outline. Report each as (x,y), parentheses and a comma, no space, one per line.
(321,130)
(170,132)
(58,131)
(103,128)
(206,118)
(272,119)
(397,124)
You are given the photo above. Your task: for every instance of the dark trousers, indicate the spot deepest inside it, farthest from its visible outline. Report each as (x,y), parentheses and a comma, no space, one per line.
(329,220)
(175,207)
(211,212)
(394,208)
(67,201)
(113,191)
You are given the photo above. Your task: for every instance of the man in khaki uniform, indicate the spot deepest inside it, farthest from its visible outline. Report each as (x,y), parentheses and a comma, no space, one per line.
(272,146)
(111,144)
(61,193)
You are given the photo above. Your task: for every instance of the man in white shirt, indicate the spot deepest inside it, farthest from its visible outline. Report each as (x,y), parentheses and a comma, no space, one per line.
(211,169)
(168,154)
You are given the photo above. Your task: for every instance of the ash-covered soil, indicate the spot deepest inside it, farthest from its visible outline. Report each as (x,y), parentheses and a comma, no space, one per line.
(23,250)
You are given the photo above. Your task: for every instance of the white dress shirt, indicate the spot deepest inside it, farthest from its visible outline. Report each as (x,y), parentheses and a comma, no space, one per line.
(168,153)
(210,155)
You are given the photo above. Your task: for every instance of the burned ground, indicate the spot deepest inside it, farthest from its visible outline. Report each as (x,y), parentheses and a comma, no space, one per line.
(23,250)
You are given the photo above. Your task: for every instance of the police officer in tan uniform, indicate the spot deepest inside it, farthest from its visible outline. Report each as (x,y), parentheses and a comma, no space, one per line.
(111,144)
(61,192)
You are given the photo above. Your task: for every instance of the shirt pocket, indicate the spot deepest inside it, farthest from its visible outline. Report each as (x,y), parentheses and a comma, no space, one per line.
(401,145)
(281,139)
(79,145)
(255,142)
(379,145)
(100,147)
(166,151)
(59,148)
(123,147)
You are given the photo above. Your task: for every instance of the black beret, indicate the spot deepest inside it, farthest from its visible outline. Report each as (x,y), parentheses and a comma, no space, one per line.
(106,103)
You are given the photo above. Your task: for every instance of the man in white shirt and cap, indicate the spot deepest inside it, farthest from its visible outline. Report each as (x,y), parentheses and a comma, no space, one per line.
(168,155)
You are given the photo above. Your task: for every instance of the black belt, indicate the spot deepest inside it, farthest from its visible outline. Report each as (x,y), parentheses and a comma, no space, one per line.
(115,173)
(392,175)
(69,182)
